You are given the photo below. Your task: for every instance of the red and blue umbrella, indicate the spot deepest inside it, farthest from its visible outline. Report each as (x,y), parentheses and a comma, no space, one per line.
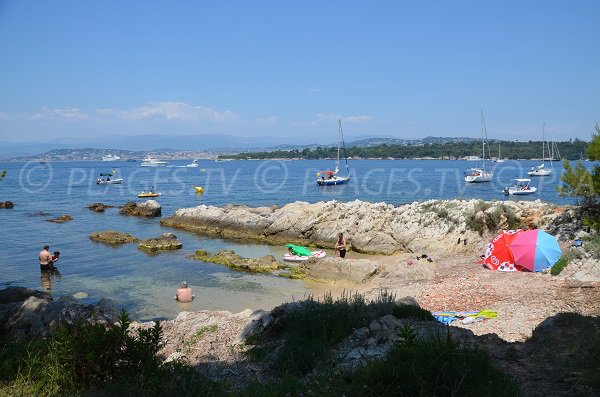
(535,250)
(498,255)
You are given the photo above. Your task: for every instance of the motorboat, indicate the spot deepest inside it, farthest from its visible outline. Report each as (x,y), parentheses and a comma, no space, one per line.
(111,157)
(475,175)
(150,162)
(331,178)
(520,188)
(109,179)
(194,163)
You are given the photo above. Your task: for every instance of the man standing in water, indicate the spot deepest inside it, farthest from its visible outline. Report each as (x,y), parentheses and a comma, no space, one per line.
(46,259)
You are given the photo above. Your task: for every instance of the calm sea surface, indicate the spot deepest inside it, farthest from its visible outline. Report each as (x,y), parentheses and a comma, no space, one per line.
(145,284)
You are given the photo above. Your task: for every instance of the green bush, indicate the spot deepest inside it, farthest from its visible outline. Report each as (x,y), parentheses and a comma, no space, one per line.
(94,359)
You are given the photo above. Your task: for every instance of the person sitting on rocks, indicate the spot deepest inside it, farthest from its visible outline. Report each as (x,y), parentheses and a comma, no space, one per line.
(341,245)
(184,293)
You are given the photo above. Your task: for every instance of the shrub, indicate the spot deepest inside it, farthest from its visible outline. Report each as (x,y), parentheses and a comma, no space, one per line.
(309,331)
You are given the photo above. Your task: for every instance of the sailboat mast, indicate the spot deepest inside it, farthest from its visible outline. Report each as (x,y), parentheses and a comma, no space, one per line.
(483,135)
(543,142)
(337,164)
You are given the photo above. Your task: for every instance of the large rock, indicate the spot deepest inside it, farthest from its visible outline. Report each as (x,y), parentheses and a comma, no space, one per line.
(6,204)
(25,312)
(112,237)
(150,208)
(263,264)
(374,228)
(336,270)
(165,242)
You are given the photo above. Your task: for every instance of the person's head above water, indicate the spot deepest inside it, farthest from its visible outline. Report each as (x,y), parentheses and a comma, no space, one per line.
(183,284)
(46,247)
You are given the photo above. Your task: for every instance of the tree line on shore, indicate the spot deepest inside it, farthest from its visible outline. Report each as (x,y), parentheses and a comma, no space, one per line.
(570,150)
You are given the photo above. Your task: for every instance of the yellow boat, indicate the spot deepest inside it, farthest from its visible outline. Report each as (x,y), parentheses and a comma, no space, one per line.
(199,189)
(148,194)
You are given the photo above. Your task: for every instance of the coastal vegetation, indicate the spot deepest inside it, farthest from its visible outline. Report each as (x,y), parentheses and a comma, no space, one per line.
(569,150)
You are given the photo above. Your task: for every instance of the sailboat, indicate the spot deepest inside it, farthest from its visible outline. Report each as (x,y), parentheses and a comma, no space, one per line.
(329,178)
(474,175)
(553,150)
(499,159)
(541,170)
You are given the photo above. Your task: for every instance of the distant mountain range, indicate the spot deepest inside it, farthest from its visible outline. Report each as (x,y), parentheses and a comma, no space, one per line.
(194,145)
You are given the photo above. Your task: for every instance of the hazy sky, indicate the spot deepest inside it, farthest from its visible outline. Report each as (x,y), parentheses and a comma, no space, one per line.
(405,69)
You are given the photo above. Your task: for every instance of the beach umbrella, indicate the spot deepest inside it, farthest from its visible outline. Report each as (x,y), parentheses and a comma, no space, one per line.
(498,255)
(535,250)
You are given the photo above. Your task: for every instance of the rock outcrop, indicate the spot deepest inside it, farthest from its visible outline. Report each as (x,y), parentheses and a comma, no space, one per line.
(374,228)
(61,219)
(26,312)
(263,264)
(6,204)
(150,208)
(165,242)
(112,237)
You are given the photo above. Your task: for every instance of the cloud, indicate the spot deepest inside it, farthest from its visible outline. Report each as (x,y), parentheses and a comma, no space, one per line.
(328,117)
(172,111)
(60,114)
(4,116)
(270,120)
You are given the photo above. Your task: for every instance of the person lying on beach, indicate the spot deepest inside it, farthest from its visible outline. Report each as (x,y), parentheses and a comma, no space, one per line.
(184,293)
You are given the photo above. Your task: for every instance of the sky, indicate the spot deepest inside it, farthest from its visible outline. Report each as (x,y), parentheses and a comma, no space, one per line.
(403,69)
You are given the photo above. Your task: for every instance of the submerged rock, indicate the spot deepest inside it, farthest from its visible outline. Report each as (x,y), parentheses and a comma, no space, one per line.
(112,237)
(6,204)
(99,207)
(61,219)
(165,242)
(150,208)
(263,264)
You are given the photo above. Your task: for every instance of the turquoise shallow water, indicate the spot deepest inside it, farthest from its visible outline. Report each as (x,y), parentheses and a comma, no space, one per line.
(145,284)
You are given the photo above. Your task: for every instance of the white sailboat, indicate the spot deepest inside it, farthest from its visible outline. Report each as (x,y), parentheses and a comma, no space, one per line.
(330,178)
(475,175)
(499,159)
(541,170)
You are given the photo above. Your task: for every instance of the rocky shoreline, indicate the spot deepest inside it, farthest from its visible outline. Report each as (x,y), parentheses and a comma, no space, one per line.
(372,228)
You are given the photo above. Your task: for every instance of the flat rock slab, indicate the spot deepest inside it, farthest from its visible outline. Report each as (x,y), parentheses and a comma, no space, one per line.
(112,237)
(336,270)
(165,242)
(263,264)
(99,207)
(6,204)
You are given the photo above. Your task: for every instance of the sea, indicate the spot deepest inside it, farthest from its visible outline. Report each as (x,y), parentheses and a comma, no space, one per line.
(145,284)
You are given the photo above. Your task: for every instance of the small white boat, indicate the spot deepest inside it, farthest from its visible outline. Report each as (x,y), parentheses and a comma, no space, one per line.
(475,175)
(540,170)
(520,188)
(109,181)
(194,163)
(297,258)
(150,162)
